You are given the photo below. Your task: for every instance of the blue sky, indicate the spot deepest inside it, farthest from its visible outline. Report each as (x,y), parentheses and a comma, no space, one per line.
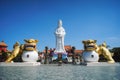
(82,19)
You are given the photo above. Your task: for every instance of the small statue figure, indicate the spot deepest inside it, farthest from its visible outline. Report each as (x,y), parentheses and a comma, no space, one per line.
(59,59)
(73,55)
(46,56)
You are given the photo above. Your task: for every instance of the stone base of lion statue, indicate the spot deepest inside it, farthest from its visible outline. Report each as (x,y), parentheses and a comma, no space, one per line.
(30,56)
(90,56)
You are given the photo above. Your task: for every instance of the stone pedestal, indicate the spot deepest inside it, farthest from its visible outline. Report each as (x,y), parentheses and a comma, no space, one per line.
(30,56)
(20,64)
(90,56)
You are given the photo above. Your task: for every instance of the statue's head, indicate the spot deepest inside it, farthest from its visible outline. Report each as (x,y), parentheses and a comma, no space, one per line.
(89,45)
(60,32)
(104,44)
(16,45)
(60,23)
(30,44)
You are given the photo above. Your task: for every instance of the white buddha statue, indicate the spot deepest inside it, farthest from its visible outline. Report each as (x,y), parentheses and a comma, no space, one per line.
(60,33)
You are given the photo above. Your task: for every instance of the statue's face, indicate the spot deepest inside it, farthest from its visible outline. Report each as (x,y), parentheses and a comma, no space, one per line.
(30,44)
(89,45)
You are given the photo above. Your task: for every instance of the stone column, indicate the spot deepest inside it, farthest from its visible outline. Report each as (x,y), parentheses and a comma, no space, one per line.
(46,56)
(73,55)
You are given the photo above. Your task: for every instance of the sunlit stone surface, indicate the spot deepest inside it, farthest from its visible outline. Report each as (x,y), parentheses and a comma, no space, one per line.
(64,72)
(20,64)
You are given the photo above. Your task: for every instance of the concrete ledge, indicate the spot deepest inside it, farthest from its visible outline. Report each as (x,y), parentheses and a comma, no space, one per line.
(38,64)
(100,64)
(20,64)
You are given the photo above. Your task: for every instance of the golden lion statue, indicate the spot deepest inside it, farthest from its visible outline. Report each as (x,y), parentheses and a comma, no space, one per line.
(30,45)
(90,45)
(15,52)
(102,49)
(29,51)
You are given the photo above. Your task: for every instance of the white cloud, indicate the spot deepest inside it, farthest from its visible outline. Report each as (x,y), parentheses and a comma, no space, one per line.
(113,41)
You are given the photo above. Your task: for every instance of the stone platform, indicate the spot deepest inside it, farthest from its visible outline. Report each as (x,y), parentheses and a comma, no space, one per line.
(20,64)
(100,64)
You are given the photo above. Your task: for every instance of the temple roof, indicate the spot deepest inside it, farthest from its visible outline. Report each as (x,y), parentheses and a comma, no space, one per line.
(78,51)
(2,43)
(67,47)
